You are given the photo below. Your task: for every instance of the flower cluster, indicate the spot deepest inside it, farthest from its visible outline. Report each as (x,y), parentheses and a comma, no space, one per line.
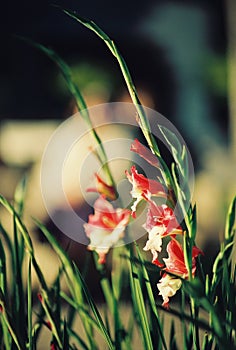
(107,225)
(161,222)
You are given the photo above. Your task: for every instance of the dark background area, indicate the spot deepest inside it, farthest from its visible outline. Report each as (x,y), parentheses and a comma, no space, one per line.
(27,76)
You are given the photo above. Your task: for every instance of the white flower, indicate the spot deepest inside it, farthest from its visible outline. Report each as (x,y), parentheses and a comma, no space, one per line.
(168,286)
(154,242)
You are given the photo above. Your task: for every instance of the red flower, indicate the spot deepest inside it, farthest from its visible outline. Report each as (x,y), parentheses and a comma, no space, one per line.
(175,263)
(103,188)
(144,152)
(161,221)
(143,188)
(168,285)
(162,216)
(105,227)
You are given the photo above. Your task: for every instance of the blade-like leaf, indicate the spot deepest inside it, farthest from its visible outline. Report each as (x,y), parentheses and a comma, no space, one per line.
(19,223)
(230,221)
(76,284)
(151,298)
(139,305)
(29,307)
(144,123)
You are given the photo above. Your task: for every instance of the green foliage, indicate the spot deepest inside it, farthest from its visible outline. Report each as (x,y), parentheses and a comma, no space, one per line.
(19,331)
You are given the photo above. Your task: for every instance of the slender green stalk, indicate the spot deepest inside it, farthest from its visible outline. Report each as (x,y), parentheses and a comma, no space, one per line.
(183,326)
(10,329)
(151,298)
(141,116)
(29,306)
(139,304)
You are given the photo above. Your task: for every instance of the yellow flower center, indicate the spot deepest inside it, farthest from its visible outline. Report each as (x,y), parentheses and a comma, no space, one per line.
(108,222)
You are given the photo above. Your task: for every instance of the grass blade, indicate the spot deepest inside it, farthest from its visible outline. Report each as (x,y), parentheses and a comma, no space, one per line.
(77,284)
(151,298)
(94,310)
(139,305)
(144,123)
(29,306)
(9,327)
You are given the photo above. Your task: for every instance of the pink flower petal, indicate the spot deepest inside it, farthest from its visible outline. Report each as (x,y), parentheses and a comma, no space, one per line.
(105,227)
(103,188)
(144,152)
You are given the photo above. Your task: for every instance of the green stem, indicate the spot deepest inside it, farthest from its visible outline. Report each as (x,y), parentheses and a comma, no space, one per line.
(142,118)
(194,325)
(29,306)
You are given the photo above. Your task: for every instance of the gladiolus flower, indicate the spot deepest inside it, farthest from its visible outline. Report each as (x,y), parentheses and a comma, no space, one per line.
(175,263)
(143,188)
(144,152)
(161,221)
(105,227)
(154,244)
(162,216)
(103,188)
(168,285)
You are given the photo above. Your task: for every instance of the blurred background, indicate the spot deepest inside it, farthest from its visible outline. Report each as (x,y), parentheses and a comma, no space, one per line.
(181,55)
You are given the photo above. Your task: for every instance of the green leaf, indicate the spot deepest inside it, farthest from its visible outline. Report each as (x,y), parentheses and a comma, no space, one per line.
(143,121)
(19,195)
(217,269)
(230,221)
(94,309)
(3,272)
(54,322)
(29,307)
(18,307)
(174,144)
(19,199)
(77,286)
(139,305)
(172,341)
(194,288)
(178,152)
(19,223)
(65,337)
(80,308)
(79,340)
(8,326)
(151,299)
